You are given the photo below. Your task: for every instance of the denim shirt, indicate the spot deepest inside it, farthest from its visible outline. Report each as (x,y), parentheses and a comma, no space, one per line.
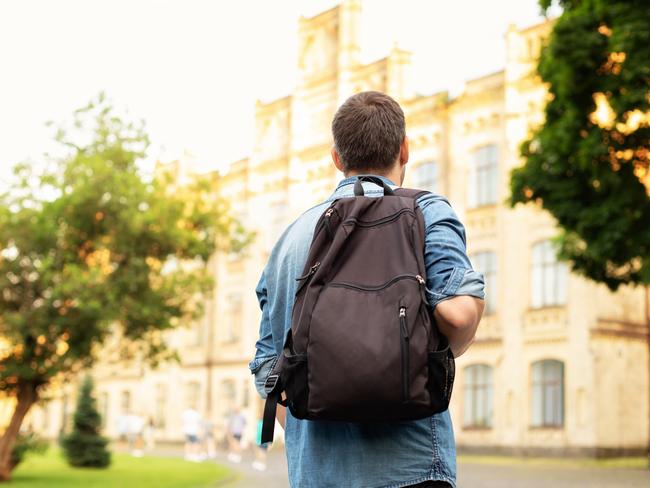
(343,454)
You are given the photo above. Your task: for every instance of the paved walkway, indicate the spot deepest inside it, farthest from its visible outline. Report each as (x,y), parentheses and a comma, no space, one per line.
(548,476)
(472,475)
(275,475)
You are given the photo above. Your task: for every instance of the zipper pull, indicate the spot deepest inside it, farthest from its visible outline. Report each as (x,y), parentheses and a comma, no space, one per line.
(420,279)
(402,323)
(311,271)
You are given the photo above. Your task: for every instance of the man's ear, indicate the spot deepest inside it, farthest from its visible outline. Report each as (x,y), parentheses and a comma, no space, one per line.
(404,152)
(337,160)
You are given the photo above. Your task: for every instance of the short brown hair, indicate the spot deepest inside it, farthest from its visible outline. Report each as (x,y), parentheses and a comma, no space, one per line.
(368,130)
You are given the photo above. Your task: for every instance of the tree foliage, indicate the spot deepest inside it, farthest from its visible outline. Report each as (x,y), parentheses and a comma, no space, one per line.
(84,446)
(588,163)
(27,443)
(89,246)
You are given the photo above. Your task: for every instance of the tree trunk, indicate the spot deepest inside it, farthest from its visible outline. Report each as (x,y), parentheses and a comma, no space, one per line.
(647,323)
(26,397)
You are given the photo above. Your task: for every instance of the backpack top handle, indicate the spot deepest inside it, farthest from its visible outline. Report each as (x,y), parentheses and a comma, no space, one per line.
(358,186)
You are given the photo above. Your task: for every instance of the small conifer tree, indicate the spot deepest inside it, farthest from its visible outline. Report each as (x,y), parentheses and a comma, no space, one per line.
(85,446)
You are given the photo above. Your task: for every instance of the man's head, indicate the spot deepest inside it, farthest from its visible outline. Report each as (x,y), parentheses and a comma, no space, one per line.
(370,136)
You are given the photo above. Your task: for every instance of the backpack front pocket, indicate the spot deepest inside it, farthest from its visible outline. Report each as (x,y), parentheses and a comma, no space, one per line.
(368,360)
(295,384)
(442,370)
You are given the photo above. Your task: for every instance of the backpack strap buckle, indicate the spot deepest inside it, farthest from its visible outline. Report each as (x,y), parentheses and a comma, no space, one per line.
(273,394)
(271,383)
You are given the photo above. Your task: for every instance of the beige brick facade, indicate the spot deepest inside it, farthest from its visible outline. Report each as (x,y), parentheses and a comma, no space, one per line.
(599,337)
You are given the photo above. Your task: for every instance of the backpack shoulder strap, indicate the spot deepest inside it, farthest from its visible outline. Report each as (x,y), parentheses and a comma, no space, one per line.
(410,193)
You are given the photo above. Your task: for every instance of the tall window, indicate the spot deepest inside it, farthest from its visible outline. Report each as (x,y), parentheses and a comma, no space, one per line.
(103,407)
(197,331)
(483,178)
(425,176)
(228,395)
(246,393)
(125,401)
(478,396)
(65,412)
(161,406)
(233,318)
(486,263)
(549,277)
(547,393)
(193,394)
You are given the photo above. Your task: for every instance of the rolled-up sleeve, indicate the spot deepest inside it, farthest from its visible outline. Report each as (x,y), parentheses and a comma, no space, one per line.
(449,270)
(265,355)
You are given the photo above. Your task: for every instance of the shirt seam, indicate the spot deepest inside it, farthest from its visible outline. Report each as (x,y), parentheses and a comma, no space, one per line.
(454,281)
(257,363)
(422,479)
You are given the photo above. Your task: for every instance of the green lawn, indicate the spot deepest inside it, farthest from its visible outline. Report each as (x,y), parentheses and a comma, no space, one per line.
(51,471)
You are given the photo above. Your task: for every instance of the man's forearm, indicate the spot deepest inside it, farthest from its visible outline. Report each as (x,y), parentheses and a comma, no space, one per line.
(458,319)
(459,339)
(281,414)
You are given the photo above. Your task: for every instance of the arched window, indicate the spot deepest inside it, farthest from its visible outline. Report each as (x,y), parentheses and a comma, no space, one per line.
(233,323)
(228,398)
(486,263)
(103,408)
(483,177)
(160,415)
(478,396)
(549,277)
(193,394)
(547,383)
(125,401)
(425,176)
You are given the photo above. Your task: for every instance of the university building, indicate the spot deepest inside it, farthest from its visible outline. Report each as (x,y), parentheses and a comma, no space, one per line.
(560,364)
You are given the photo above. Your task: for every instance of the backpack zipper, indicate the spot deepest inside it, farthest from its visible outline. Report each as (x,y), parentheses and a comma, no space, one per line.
(305,279)
(384,220)
(379,287)
(404,334)
(324,222)
(328,222)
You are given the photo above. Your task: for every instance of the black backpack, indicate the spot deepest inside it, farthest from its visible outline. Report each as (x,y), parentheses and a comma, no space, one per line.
(363,344)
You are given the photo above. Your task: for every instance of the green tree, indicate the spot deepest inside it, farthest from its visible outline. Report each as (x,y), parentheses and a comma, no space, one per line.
(27,443)
(89,246)
(588,163)
(84,446)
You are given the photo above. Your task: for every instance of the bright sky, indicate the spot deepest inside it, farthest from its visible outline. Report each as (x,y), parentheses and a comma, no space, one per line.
(194,68)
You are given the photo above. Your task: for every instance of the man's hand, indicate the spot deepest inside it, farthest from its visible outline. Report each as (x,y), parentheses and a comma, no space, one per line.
(458,319)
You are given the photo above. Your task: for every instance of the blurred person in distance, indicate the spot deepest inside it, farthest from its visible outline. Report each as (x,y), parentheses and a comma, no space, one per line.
(192,423)
(135,435)
(208,438)
(236,426)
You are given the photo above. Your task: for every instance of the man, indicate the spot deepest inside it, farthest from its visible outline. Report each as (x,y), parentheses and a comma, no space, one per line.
(369,138)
